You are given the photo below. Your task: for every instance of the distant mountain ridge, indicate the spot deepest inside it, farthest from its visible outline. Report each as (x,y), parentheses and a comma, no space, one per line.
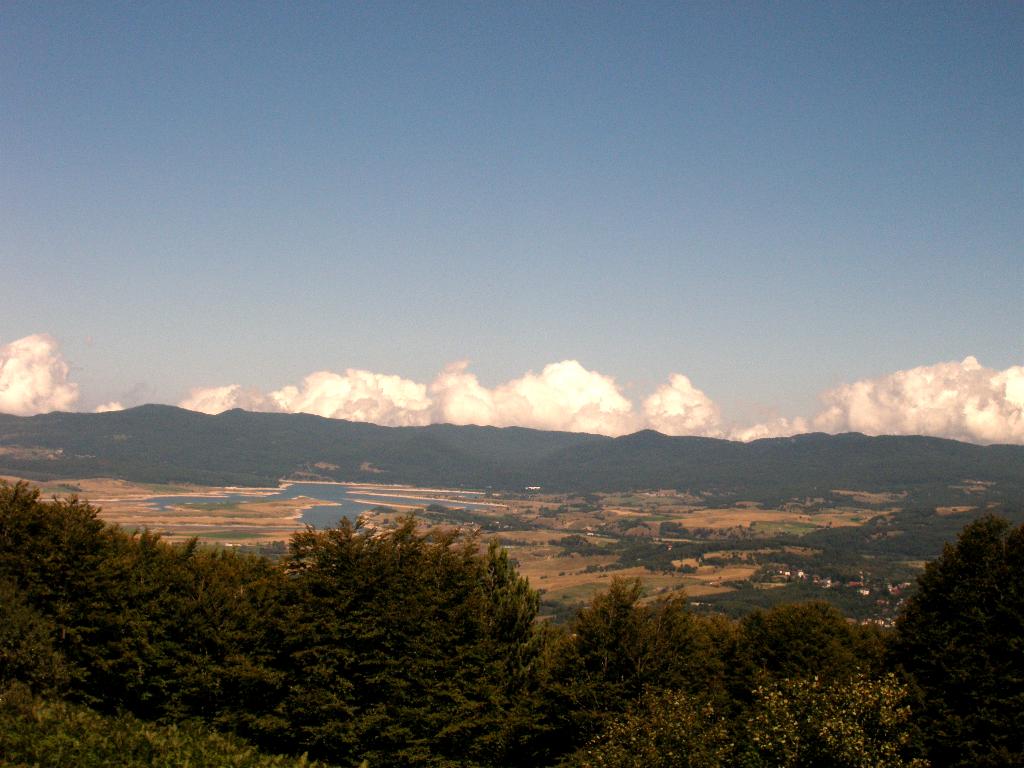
(159,443)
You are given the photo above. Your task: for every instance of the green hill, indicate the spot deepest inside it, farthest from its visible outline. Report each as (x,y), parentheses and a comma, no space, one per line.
(157,443)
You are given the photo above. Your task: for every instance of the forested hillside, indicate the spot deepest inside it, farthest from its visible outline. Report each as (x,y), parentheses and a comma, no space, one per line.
(416,648)
(166,444)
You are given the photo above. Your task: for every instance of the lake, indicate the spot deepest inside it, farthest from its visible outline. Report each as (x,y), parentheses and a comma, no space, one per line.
(340,501)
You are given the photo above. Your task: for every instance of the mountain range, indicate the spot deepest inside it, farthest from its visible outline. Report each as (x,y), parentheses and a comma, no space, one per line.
(159,443)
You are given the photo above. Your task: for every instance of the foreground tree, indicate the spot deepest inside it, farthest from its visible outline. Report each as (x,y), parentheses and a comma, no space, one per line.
(124,620)
(27,652)
(801,640)
(404,648)
(961,639)
(665,729)
(52,557)
(48,732)
(809,723)
(619,647)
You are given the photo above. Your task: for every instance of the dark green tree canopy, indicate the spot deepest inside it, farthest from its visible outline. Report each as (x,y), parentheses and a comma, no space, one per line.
(805,640)
(403,647)
(961,640)
(411,646)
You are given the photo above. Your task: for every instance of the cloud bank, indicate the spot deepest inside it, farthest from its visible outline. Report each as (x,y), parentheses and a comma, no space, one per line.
(220,399)
(34,377)
(358,396)
(563,396)
(960,400)
(964,401)
(679,408)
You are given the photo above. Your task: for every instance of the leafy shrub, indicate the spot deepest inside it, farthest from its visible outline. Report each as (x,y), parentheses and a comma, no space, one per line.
(42,732)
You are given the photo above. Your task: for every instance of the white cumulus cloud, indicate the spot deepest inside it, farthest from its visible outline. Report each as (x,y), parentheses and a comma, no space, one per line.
(459,397)
(215,400)
(779,427)
(358,396)
(563,396)
(680,408)
(34,377)
(961,400)
(113,405)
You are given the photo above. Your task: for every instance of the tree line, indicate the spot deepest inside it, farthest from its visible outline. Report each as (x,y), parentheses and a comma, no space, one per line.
(409,647)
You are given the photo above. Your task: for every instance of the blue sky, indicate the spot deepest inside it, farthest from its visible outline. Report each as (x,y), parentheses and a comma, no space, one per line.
(772,199)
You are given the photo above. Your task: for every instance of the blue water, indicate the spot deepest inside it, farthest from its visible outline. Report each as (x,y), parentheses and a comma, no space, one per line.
(339,500)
